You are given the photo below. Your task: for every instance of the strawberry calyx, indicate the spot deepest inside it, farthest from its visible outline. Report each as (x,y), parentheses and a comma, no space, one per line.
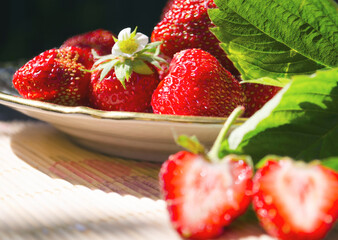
(131,53)
(193,145)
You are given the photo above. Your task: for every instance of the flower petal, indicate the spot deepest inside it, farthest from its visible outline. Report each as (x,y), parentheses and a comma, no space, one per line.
(142,41)
(116,51)
(124,34)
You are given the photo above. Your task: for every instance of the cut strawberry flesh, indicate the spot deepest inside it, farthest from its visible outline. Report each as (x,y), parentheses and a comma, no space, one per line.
(203,180)
(202,197)
(296,198)
(300,190)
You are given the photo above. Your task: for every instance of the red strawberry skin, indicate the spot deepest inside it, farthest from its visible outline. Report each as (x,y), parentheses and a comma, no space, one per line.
(109,94)
(56,76)
(100,40)
(256,95)
(166,8)
(203,197)
(164,70)
(186,25)
(294,202)
(198,85)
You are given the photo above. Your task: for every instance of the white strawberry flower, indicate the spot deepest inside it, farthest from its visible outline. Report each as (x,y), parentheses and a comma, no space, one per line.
(131,52)
(128,43)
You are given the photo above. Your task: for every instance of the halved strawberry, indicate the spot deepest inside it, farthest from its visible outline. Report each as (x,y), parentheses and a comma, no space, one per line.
(205,193)
(295,200)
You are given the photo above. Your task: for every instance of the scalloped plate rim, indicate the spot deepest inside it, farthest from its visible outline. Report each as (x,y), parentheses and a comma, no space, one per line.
(8,99)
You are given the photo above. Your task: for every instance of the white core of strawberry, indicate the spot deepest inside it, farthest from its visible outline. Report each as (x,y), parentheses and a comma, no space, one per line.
(206,188)
(300,193)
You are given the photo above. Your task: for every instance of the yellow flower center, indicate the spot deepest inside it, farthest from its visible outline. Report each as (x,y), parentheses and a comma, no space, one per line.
(128,46)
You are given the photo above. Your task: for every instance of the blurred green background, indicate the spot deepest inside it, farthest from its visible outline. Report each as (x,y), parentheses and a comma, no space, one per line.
(31,26)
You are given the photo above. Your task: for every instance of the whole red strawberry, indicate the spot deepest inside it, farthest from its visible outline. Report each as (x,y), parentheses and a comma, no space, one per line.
(295,200)
(135,96)
(197,84)
(57,76)
(256,95)
(204,193)
(186,25)
(126,79)
(100,40)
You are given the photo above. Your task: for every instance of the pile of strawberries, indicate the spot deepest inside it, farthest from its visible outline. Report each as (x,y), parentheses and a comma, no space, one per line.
(183,71)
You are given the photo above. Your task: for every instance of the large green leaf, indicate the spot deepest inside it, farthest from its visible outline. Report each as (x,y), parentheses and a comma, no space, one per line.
(301,121)
(277,38)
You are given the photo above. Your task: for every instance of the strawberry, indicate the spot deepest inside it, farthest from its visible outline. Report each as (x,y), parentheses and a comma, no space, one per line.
(204,193)
(166,8)
(197,84)
(164,67)
(126,79)
(186,25)
(256,95)
(295,200)
(100,40)
(135,96)
(56,76)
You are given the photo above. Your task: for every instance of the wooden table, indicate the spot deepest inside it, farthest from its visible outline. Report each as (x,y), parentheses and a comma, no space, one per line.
(52,189)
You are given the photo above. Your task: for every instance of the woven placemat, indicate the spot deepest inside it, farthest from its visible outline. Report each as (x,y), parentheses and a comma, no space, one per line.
(52,189)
